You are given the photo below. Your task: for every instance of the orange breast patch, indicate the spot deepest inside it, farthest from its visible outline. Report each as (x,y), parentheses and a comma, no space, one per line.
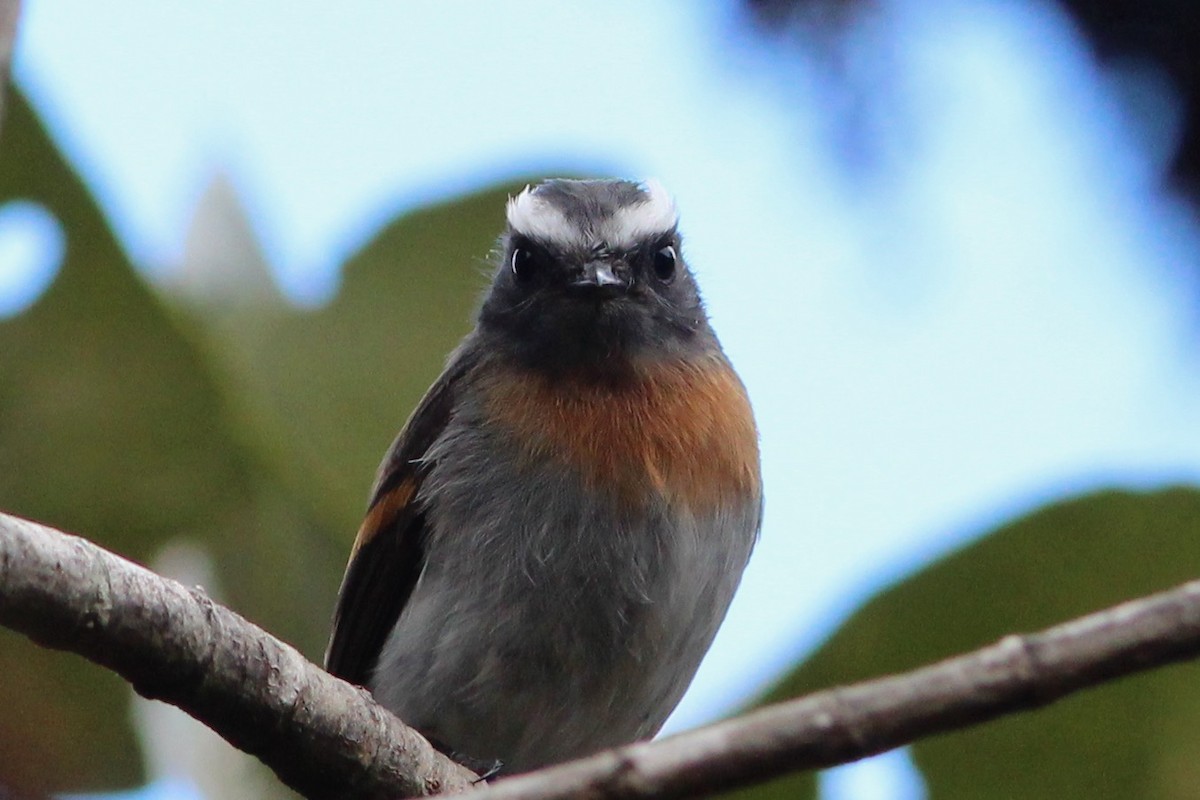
(683,430)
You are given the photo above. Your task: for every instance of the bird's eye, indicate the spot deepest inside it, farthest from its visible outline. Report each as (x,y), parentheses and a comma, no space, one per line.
(522,263)
(664,263)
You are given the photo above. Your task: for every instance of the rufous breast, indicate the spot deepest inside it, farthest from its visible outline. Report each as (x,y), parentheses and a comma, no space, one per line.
(681,429)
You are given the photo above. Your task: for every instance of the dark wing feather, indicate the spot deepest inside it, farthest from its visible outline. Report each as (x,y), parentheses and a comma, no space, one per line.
(389,553)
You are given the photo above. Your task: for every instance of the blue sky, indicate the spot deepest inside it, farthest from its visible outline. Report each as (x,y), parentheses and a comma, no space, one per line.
(992,312)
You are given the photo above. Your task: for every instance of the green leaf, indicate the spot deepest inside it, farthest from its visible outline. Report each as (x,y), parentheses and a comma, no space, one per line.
(1135,738)
(112,425)
(334,385)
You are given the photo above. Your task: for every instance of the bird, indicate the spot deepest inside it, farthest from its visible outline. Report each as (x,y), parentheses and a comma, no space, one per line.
(558,530)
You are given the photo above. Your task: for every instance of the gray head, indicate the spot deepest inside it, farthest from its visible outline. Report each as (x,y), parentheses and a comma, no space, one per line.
(592,275)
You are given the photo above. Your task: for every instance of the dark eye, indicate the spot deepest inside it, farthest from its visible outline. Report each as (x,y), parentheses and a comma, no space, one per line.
(664,263)
(522,263)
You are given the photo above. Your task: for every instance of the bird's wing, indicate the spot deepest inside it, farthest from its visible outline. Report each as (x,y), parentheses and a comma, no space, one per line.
(389,552)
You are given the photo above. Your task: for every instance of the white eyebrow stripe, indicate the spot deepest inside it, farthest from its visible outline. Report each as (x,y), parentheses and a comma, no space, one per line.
(631,224)
(529,215)
(536,218)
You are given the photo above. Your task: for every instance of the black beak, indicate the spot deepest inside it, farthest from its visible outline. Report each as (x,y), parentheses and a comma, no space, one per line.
(600,275)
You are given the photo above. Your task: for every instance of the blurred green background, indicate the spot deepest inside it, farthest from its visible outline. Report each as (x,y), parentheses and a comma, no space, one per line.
(208,424)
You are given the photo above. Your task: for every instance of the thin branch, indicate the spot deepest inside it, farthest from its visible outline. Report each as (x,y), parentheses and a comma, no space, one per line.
(845,724)
(321,736)
(327,739)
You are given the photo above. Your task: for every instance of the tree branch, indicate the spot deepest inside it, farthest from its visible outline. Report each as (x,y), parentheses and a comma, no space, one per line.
(845,724)
(328,739)
(321,736)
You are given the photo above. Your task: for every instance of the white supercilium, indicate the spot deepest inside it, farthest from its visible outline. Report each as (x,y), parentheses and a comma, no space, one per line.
(535,217)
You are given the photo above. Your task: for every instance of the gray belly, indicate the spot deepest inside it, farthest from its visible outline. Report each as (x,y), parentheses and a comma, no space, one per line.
(550,622)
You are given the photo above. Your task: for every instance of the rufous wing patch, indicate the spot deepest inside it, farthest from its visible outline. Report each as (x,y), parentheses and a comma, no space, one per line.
(683,430)
(385,510)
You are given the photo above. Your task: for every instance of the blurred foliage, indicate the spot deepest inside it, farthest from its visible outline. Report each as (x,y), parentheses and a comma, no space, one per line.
(1162,36)
(112,425)
(1135,738)
(1158,39)
(255,429)
(329,389)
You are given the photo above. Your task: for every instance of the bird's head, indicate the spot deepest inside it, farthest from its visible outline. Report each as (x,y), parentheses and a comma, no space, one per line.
(591,273)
